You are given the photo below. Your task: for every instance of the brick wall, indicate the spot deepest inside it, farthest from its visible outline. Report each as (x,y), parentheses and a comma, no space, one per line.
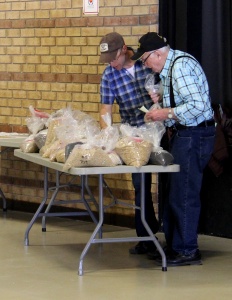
(49,54)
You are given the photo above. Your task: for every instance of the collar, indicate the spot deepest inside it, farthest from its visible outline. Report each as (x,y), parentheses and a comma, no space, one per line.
(164,73)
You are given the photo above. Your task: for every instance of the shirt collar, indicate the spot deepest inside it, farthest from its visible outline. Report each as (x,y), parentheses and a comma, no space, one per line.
(164,73)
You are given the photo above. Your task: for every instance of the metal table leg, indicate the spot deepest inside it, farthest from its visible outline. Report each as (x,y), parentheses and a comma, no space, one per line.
(93,239)
(82,200)
(39,213)
(26,237)
(98,227)
(157,244)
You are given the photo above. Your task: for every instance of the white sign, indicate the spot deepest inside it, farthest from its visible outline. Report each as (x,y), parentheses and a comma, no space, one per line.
(90,7)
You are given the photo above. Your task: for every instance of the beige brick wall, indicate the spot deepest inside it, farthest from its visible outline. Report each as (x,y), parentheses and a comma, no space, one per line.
(49,55)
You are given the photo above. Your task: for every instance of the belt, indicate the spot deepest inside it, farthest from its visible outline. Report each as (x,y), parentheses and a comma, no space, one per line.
(202,124)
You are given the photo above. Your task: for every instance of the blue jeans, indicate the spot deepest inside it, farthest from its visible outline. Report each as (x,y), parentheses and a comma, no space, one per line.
(191,149)
(149,208)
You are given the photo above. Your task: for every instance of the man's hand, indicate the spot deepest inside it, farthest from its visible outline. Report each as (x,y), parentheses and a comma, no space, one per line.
(103,111)
(157,115)
(156,97)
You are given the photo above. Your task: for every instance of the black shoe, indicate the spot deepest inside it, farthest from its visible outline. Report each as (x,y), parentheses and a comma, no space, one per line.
(154,255)
(184,260)
(142,248)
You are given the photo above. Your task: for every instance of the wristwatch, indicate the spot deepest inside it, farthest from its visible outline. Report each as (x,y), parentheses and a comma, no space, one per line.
(170,115)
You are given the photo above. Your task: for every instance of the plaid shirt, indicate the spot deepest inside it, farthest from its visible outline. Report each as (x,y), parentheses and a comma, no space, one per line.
(128,91)
(190,88)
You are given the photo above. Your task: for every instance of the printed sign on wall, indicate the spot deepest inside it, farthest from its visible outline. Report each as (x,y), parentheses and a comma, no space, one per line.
(90,7)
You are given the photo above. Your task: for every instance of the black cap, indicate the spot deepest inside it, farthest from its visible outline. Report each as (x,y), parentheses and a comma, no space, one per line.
(149,42)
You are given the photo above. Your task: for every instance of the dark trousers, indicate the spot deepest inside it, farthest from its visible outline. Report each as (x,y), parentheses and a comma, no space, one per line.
(191,149)
(149,209)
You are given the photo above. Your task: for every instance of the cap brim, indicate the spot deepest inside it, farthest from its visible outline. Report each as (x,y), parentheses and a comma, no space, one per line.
(107,57)
(137,55)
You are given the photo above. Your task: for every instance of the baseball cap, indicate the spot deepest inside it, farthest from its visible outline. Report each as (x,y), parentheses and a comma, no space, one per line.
(149,42)
(109,46)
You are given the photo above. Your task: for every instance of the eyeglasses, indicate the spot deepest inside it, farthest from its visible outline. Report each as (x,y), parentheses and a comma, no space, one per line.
(144,60)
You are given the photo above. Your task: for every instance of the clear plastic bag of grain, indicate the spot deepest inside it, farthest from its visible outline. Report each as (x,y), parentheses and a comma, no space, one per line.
(51,135)
(134,151)
(83,156)
(54,149)
(40,138)
(37,121)
(60,155)
(29,145)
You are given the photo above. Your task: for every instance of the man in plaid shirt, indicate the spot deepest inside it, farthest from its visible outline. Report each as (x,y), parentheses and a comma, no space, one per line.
(123,81)
(188,115)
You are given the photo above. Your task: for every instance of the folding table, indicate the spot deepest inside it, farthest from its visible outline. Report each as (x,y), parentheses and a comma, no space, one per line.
(100,172)
(11,141)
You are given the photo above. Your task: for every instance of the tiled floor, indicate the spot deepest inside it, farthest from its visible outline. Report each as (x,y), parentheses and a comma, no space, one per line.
(47,269)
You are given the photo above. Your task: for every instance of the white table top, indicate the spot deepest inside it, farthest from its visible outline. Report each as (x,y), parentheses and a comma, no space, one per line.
(12,141)
(38,159)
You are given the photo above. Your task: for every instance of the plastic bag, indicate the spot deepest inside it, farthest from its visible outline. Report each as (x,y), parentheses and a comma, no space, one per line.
(58,148)
(69,148)
(161,157)
(37,121)
(51,134)
(85,156)
(40,138)
(133,148)
(134,151)
(154,106)
(76,126)
(97,151)
(52,150)
(151,86)
(60,155)
(29,145)
(107,138)
(55,121)
(66,127)
(153,132)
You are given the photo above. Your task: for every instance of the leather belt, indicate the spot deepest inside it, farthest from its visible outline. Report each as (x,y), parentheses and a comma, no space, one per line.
(202,124)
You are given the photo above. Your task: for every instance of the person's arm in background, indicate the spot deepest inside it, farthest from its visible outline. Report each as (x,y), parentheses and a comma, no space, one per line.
(105,108)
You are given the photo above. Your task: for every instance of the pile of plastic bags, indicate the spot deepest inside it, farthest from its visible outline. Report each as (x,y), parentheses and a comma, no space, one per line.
(75,139)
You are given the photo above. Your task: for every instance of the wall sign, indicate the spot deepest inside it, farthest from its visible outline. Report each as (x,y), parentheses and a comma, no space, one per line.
(90,7)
